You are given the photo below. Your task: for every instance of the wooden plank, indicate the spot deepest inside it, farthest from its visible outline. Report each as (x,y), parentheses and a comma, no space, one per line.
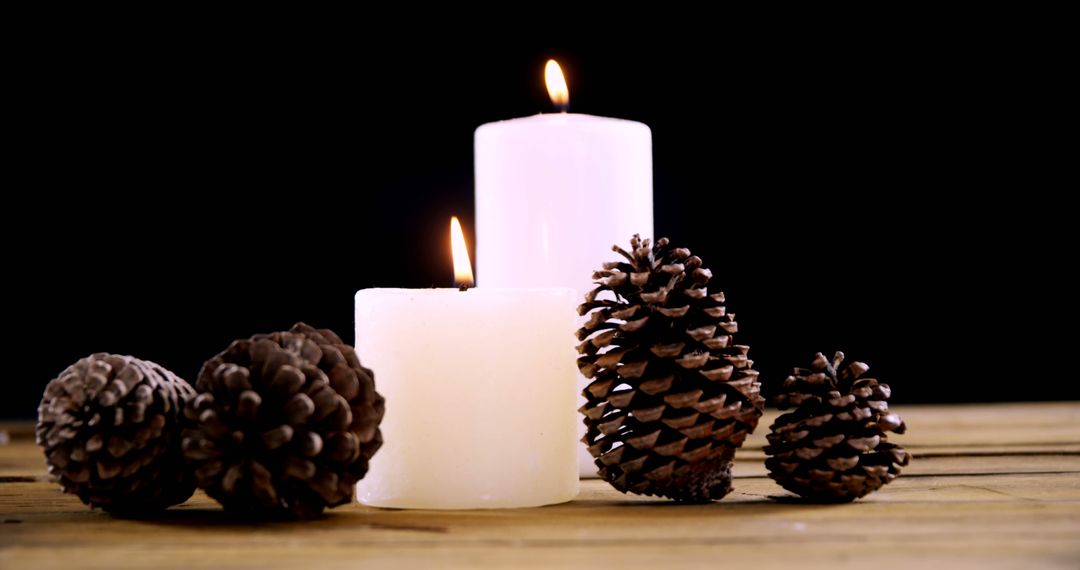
(1009,506)
(956,465)
(998,519)
(974,425)
(21,459)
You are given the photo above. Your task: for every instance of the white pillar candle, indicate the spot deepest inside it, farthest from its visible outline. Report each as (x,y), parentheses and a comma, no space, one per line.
(479,388)
(553,194)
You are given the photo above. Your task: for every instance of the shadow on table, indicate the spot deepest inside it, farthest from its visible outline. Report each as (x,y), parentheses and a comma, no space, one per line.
(198,516)
(202,516)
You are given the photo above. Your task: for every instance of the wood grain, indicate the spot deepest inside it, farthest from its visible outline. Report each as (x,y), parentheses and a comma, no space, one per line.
(994,486)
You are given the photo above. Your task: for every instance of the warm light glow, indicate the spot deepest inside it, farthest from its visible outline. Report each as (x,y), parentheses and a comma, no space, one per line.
(463,276)
(556,85)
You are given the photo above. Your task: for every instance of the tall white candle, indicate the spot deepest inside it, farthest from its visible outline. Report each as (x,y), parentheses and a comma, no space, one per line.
(479,388)
(553,194)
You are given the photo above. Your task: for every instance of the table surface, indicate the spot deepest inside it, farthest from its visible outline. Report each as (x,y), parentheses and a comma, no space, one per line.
(991,486)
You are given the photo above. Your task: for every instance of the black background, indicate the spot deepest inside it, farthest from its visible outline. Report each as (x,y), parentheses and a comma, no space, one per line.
(882,198)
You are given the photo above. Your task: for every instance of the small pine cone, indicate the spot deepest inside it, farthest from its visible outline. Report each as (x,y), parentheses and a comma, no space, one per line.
(110,427)
(284,424)
(672,396)
(833,447)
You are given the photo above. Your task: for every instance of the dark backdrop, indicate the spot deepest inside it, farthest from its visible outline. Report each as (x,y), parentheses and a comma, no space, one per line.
(868,197)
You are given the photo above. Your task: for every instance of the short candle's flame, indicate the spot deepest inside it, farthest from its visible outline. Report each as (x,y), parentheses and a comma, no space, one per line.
(463,276)
(556,85)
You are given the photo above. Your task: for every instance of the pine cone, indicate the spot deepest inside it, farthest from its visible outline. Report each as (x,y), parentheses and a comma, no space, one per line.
(832,447)
(672,397)
(285,423)
(110,427)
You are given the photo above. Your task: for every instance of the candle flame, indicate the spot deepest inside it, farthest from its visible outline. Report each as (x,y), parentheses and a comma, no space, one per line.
(463,276)
(556,85)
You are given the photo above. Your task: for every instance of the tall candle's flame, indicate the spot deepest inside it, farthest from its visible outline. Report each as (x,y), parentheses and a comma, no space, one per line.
(463,276)
(556,85)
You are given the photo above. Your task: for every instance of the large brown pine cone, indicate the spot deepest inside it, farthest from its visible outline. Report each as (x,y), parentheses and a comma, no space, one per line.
(284,423)
(110,427)
(672,395)
(833,447)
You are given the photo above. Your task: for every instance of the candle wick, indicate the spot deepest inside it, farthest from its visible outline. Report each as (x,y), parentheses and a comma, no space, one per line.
(462,286)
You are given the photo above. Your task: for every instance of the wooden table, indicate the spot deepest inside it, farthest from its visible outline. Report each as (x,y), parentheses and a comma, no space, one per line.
(991,486)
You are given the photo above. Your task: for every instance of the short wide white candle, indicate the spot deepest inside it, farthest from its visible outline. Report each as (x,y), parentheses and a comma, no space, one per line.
(480,397)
